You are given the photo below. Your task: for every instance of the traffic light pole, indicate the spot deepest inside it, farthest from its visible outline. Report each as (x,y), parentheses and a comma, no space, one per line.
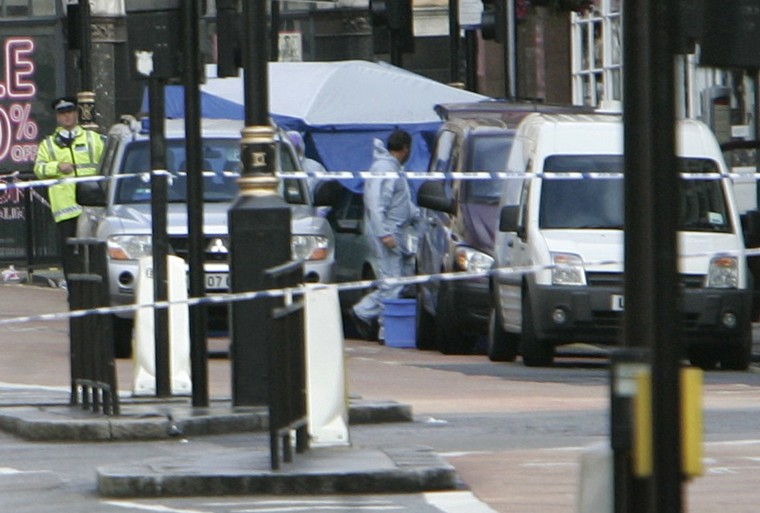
(651,223)
(191,75)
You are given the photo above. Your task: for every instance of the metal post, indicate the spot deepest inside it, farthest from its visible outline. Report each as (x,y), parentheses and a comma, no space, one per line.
(274,34)
(259,220)
(471,52)
(86,97)
(454,41)
(651,203)
(158,201)
(510,53)
(193,146)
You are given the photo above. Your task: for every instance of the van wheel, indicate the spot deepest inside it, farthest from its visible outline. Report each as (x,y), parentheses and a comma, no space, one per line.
(502,345)
(425,332)
(535,351)
(122,337)
(451,338)
(738,355)
(703,356)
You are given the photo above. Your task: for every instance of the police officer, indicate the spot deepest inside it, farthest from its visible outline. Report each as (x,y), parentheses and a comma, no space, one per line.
(68,152)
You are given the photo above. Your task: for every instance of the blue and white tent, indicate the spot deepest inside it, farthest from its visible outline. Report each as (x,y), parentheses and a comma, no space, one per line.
(338,106)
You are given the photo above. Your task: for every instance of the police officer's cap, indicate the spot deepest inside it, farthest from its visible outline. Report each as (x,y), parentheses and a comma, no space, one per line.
(64,104)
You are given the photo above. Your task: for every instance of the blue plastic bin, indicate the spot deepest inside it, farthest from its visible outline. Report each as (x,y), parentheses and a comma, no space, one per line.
(399,320)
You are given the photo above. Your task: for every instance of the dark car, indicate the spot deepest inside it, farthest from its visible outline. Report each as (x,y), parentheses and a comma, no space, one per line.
(460,218)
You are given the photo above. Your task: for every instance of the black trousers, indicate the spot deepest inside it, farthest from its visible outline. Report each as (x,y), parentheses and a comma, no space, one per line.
(67,229)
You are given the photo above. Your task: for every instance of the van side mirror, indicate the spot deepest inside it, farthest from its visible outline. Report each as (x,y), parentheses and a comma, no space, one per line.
(327,193)
(509,219)
(751,228)
(432,195)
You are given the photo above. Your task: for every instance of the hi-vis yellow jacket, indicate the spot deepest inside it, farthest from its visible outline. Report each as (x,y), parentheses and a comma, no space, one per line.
(84,152)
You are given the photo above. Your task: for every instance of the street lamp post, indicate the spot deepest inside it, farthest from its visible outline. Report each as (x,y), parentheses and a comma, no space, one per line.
(259,220)
(86,96)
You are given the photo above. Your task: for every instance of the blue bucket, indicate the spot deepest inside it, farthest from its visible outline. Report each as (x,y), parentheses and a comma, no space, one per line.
(399,321)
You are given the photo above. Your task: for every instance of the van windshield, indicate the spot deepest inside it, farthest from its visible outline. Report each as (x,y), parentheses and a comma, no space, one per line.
(586,191)
(220,165)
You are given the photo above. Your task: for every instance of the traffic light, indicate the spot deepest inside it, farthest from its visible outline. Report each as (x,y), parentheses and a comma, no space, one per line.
(494,24)
(733,41)
(229,57)
(392,18)
(154,37)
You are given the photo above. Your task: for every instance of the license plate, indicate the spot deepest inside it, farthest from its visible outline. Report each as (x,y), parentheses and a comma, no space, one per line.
(217,281)
(617,302)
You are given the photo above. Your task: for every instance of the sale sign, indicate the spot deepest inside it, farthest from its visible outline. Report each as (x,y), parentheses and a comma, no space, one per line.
(19,130)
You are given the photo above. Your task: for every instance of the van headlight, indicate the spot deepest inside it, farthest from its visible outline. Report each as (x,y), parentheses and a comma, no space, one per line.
(309,247)
(723,273)
(129,247)
(567,269)
(472,261)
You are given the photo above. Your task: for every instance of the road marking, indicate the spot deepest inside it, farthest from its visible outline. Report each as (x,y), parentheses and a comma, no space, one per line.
(325,507)
(293,502)
(148,507)
(457,502)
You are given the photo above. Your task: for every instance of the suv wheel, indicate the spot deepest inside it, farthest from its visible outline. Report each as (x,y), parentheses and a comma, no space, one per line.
(535,352)
(451,337)
(122,337)
(502,345)
(425,332)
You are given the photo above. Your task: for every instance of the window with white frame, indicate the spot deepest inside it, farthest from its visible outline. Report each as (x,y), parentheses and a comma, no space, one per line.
(597,53)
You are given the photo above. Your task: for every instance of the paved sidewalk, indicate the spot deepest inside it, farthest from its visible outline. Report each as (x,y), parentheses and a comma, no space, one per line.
(35,412)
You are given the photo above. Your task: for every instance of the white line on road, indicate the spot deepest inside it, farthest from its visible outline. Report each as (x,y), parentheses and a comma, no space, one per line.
(326,507)
(457,502)
(155,508)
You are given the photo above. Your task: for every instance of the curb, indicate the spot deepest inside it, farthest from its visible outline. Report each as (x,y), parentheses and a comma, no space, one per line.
(162,421)
(334,470)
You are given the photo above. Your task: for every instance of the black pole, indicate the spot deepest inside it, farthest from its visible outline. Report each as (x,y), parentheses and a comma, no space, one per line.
(193,145)
(651,202)
(158,195)
(471,52)
(85,48)
(86,96)
(259,221)
(454,41)
(274,31)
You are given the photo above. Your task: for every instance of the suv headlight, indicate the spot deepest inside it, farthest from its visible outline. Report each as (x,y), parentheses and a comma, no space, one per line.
(723,273)
(472,261)
(129,247)
(309,247)
(567,269)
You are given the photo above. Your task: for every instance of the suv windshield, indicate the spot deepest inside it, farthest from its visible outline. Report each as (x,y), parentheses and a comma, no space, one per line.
(221,168)
(597,201)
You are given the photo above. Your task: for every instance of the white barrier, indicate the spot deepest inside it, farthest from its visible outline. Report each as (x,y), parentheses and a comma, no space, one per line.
(596,479)
(327,400)
(143,340)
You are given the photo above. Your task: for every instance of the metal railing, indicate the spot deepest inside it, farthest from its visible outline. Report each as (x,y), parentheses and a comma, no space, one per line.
(93,370)
(27,231)
(287,367)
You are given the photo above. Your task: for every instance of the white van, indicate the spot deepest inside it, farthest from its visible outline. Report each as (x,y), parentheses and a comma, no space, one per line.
(562,227)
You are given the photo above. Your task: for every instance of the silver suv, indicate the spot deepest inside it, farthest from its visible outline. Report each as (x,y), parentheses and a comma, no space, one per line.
(123,217)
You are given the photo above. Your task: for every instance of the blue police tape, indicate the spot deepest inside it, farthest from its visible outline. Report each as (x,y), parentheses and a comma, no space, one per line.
(16,183)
